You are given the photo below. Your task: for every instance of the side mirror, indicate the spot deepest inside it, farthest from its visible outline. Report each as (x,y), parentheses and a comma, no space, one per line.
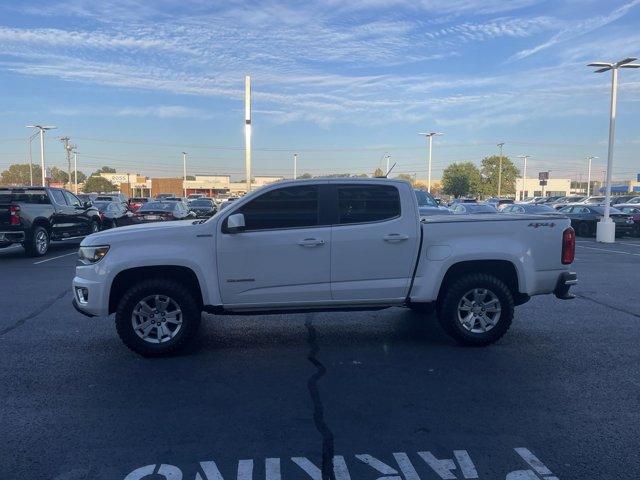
(88,204)
(235,223)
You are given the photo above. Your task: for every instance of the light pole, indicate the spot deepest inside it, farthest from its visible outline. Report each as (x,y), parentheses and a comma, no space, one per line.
(42,129)
(247,130)
(184,174)
(430,137)
(589,159)
(75,167)
(295,166)
(501,144)
(524,175)
(31,137)
(606,229)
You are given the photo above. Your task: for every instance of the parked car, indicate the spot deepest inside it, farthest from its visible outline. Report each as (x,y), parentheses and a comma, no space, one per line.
(473,208)
(320,245)
(227,203)
(136,202)
(594,200)
(114,214)
(182,200)
(584,219)
(632,209)
(194,196)
(532,200)
(499,203)
(619,199)
(563,201)
(634,201)
(35,216)
(111,197)
(462,200)
(85,197)
(162,211)
(427,205)
(530,209)
(203,207)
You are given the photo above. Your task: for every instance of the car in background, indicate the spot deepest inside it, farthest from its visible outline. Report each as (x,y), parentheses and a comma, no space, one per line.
(86,197)
(531,200)
(427,205)
(226,203)
(499,202)
(136,202)
(182,200)
(632,209)
(114,214)
(111,197)
(160,211)
(162,196)
(194,196)
(530,209)
(594,200)
(203,207)
(634,201)
(584,218)
(618,199)
(563,201)
(473,208)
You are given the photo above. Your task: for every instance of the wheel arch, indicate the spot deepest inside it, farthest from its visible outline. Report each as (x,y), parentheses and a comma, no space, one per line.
(126,278)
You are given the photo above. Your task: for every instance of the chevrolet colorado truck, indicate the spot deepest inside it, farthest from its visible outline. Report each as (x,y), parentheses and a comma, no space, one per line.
(34,216)
(322,245)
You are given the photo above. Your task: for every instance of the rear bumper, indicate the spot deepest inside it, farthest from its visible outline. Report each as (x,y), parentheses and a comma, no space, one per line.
(11,237)
(565,282)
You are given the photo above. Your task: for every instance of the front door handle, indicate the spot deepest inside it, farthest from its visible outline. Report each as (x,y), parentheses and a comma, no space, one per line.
(311,242)
(395,237)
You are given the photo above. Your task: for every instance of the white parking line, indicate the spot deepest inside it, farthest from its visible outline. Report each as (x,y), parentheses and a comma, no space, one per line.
(612,251)
(54,258)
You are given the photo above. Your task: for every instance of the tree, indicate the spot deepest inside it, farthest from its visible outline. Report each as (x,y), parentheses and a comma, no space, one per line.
(406,177)
(378,172)
(305,175)
(460,179)
(489,170)
(98,184)
(18,174)
(104,169)
(190,177)
(59,176)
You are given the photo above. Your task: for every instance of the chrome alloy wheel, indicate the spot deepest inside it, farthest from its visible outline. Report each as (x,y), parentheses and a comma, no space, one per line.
(41,242)
(479,310)
(156,318)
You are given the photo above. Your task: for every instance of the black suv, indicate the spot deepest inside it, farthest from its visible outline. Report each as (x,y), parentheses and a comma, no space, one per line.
(35,216)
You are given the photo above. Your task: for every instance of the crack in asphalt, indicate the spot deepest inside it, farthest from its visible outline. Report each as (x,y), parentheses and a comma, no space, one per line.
(604,304)
(23,320)
(318,409)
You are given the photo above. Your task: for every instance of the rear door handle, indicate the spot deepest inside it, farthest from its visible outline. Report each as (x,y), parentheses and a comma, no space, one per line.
(311,242)
(395,237)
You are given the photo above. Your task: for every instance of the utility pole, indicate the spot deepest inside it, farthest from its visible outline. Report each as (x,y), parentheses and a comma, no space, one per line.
(606,229)
(295,166)
(247,130)
(75,168)
(524,175)
(67,149)
(589,158)
(31,137)
(42,129)
(501,144)
(184,174)
(430,137)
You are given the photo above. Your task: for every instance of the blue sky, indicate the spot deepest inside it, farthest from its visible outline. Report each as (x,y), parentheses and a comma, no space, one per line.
(341,82)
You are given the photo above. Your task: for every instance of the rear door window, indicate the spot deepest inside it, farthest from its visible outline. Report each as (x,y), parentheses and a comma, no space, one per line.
(367,203)
(58,197)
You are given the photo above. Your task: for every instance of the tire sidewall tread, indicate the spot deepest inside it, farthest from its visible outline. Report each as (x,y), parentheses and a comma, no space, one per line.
(191,316)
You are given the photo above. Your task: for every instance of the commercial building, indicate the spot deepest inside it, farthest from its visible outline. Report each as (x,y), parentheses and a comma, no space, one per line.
(532,188)
(240,188)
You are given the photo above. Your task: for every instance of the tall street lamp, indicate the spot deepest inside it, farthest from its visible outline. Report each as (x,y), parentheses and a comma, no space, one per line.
(606,229)
(524,174)
(42,129)
(589,159)
(500,145)
(31,137)
(430,137)
(184,174)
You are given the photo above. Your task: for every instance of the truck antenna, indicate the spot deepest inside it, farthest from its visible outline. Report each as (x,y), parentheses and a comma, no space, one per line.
(386,175)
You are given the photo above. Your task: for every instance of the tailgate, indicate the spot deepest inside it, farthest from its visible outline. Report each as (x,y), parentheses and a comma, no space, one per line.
(4,215)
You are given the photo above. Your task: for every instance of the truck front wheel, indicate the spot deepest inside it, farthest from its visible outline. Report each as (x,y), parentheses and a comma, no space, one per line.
(477,309)
(157,317)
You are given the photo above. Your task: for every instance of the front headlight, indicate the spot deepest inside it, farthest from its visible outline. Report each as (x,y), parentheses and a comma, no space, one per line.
(91,255)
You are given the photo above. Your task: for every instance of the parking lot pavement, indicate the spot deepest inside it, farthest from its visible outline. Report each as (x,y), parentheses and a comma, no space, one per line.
(385,393)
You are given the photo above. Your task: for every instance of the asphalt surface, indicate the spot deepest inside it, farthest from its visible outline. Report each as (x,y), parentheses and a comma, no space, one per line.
(386,393)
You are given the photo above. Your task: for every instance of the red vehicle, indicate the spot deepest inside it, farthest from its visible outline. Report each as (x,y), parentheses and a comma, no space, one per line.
(136,202)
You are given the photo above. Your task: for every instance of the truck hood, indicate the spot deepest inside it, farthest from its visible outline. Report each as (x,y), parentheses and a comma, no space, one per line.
(144,232)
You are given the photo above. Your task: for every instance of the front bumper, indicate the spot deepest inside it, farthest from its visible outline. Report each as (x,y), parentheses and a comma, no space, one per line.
(565,282)
(89,297)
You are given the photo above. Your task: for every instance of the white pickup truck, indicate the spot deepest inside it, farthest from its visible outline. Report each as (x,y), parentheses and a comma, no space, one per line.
(322,245)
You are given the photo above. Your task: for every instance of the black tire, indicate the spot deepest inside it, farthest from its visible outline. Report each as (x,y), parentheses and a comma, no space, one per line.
(452,297)
(636,230)
(584,230)
(34,245)
(94,227)
(191,313)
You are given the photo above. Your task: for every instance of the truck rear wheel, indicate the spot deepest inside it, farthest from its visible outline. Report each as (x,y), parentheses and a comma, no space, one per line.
(477,309)
(38,244)
(157,317)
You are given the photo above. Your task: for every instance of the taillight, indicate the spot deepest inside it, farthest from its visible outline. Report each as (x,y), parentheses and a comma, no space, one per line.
(568,246)
(14,215)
